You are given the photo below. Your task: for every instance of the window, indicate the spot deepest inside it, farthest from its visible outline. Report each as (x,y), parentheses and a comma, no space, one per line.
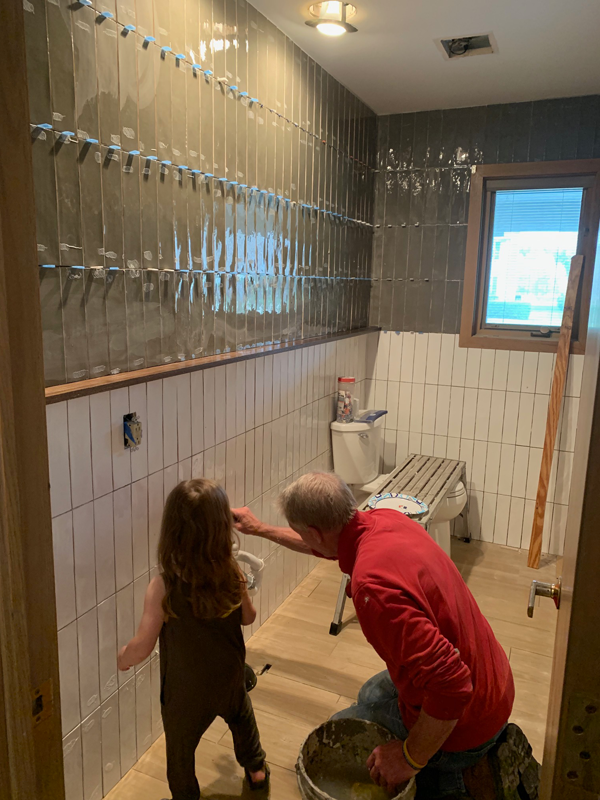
(526,222)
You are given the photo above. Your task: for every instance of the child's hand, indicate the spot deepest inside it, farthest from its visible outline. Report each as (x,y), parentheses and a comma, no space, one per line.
(121,663)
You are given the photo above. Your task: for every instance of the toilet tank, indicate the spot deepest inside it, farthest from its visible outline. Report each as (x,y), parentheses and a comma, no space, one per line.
(356,450)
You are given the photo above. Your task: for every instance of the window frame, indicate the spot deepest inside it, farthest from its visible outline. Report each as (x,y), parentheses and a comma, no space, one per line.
(473,332)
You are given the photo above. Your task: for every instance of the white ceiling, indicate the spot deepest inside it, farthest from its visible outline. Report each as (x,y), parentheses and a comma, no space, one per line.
(546,49)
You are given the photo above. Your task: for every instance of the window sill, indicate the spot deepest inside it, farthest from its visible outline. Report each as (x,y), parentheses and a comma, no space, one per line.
(507,342)
(68,391)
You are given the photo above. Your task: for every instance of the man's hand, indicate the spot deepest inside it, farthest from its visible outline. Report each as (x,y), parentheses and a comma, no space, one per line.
(246,522)
(388,767)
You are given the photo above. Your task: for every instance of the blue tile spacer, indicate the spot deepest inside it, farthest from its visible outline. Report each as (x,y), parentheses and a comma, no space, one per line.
(233,88)
(182,166)
(244,94)
(254,99)
(65,134)
(208,175)
(133,153)
(85,2)
(44,126)
(233,183)
(197,66)
(129,28)
(223,180)
(196,172)
(91,141)
(114,146)
(166,163)
(151,158)
(208,72)
(180,56)
(107,14)
(149,38)
(243,185)
(166,49)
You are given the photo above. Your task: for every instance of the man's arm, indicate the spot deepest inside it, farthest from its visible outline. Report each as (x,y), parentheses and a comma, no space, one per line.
(247,523)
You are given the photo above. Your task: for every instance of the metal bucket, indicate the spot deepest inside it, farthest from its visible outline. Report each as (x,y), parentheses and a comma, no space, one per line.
(332,764)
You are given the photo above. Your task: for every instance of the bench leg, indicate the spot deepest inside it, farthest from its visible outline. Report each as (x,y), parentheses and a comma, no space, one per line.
(336,625)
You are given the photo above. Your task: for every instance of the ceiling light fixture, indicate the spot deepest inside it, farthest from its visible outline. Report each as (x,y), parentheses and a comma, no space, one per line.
(331,18)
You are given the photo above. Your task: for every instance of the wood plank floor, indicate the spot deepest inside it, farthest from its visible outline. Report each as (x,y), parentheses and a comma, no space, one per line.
(313,674)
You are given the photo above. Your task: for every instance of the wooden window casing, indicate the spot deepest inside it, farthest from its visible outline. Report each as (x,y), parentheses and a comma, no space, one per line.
(473,332)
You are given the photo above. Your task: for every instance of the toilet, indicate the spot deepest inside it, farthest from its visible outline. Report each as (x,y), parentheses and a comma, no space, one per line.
(356,459)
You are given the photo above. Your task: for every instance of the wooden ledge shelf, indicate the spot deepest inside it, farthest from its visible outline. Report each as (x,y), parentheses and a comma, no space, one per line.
(68,391)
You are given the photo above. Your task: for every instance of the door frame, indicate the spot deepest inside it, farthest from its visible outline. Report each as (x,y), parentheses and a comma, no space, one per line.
(31,762)
(575,682)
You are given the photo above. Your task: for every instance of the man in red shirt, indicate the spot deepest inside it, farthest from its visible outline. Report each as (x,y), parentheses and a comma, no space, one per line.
(448,689)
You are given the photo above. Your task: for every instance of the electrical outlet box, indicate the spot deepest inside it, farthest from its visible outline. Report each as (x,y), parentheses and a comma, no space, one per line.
(132,431)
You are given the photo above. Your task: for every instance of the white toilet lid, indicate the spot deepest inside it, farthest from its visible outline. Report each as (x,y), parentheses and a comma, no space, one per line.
(404,503)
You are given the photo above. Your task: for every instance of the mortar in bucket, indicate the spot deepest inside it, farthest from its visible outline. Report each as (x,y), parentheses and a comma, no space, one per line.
(332,764)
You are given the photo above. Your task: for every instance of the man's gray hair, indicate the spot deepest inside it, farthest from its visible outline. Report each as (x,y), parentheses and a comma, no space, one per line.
(318,500)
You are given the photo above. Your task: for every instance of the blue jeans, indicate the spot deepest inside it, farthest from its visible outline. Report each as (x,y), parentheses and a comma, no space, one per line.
(378,702)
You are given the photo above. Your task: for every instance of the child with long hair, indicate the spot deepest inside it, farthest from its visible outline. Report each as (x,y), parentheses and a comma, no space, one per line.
(198,604)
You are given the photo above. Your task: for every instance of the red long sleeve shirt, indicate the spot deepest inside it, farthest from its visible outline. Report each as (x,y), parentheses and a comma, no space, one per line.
(417,612)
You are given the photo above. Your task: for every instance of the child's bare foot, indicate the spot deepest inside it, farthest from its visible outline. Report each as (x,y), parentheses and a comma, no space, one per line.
(258,777)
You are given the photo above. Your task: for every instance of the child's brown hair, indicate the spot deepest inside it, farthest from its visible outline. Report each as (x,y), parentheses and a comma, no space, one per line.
(196,547)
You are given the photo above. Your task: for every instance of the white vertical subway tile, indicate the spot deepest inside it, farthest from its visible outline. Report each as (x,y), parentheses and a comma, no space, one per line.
(140,586)
(123,537)
(240,410)
(429,408)
(440,444)
(502,520)
(121,456)
(89,676)
(268,386)
(475,514)
(220,401)
(540,415)
(453,448)
(382,361)
(139,456)
(511,418)
(155,509)
(111,756)
(563,477)
(402,450)
(230,400)
(197,411)
(488,516)
(442,411)
(267,436)
(84,558)
(208,394)
(496,415)
(492,468)
(416,407)
(381,395)
(68,668)
(459,365)
(259,383)
(414,443)
(127,726)
(420,359)
(473,365)
(125,624)
(393,393)
(170,421)
(520,469)
(101,443)
(500,377)
(482,417)
(569,423)
(395,361)
(64,569)
(369,394)
(478,467)
(209,464)
(408,357)
(525,419)
(527,523)
(80,453)
(457,399)
(486,369)
(184,417)
(91,742)
(171,479)
(469,416)
(529,377)
(515,371)
(258,461)
(545,371)
(73,765)
(557,532)
(139,526)
(515,522)
(107,647)
(249,467)
(239,498)
(533,472)
(574,376)
(505,476)
(446,359)
(58,458)
(434,345)
(389,450)
(104,546)
(427,444)
(249,393)
(466,455)
(184,470)
(154,432)
(197,470)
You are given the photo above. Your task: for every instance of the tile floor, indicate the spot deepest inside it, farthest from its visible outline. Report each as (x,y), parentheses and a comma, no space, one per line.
(314,674)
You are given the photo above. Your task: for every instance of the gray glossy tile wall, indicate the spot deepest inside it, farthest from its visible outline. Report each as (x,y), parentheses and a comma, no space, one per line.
(422,195)
(202,185)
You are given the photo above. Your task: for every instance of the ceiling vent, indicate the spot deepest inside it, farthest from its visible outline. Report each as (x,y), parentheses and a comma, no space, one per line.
(464,46)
